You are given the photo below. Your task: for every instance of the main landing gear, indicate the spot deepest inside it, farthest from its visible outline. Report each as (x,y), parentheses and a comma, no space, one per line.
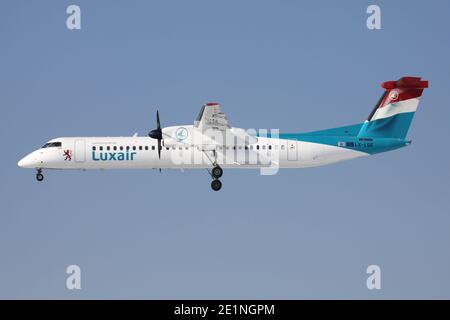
(216,173)
(216,185)
(39,175)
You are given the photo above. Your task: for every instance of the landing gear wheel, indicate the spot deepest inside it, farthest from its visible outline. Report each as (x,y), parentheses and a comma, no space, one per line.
(216,172)
(216,185)
(39,176)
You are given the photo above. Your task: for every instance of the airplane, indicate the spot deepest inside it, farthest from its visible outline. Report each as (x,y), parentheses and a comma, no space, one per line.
(212,144)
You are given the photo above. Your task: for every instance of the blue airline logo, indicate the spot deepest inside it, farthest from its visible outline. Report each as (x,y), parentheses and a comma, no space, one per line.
(114,156)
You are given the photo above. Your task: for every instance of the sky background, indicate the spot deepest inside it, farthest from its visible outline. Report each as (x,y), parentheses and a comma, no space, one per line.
(293,65)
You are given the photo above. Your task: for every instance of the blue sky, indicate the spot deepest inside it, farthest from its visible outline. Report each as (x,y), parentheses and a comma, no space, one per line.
(292,65)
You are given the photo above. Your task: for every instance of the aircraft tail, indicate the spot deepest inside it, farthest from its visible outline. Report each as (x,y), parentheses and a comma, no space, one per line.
(395,110)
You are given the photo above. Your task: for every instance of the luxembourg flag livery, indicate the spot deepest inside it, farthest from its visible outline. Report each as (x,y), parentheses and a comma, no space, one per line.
(395,110)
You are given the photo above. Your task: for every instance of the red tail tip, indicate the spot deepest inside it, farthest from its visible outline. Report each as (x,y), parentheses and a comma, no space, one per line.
(406,82)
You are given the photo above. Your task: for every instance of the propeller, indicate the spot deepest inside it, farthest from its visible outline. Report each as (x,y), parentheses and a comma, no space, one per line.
(157,134)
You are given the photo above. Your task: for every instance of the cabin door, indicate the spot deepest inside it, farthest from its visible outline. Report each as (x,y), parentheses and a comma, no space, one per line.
(292,150)
(80,151)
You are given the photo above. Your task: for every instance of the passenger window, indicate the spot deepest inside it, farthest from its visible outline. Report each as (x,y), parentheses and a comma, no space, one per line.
(128,148)
(114,148)
(270,147)
(108,148)
(146,147)
(140,147)
(93,148)
(257,147)
(101,148)
(134,147)
(153,147)
(121,148)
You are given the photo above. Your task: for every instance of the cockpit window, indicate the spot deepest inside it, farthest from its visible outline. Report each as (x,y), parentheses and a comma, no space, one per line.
(51,145)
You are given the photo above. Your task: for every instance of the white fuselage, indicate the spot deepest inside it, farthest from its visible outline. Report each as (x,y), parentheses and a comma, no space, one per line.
(141,153)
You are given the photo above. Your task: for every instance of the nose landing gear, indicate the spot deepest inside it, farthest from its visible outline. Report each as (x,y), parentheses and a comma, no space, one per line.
(39,175)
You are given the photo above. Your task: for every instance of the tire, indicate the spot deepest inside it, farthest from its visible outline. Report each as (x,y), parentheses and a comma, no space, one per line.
(217,172)
(39,177)
(216,185)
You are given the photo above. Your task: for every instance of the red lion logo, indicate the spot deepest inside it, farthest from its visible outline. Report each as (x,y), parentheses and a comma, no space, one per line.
(67,155)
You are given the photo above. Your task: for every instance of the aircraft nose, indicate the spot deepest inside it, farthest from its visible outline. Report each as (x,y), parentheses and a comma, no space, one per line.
(24,162)
(27,162)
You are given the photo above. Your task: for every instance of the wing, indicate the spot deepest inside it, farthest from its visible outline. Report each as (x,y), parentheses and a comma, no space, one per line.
(211,117)
(213,123)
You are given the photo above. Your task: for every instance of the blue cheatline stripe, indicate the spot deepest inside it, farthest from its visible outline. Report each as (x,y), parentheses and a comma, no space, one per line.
(371,137)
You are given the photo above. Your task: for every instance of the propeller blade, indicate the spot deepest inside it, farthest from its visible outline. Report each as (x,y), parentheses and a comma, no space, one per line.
(158,124)
(159,148)
(157,134)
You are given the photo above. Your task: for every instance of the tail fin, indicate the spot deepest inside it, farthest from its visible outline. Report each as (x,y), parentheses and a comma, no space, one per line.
(395,110)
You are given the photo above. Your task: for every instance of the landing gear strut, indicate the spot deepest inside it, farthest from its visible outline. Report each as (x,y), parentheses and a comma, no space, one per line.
(39,175)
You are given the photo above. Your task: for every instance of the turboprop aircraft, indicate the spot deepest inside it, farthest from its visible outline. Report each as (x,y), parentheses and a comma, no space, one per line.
(213,144)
